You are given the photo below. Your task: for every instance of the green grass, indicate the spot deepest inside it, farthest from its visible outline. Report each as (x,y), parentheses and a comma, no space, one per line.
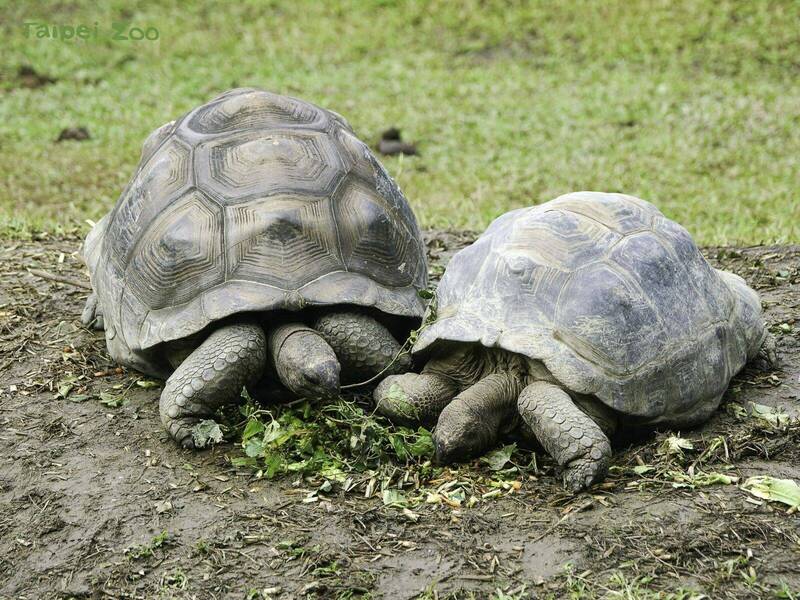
(691,104)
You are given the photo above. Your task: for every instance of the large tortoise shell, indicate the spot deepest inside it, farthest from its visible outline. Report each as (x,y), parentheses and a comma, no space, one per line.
(613,297)
(252,202)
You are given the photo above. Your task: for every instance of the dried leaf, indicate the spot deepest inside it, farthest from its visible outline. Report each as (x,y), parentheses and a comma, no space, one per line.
(674,446)
(772,415)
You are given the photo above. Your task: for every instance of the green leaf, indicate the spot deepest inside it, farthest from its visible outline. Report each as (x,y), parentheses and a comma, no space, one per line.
(394,497)
(253,447)
(273,463)
(497,459)
(423,445)
(704,479)
(206,433)
(399,446)
(643,469)
(700,479)
(242,461)
(334,473)
(253,427)
(296,466)
(65,386)
(785,491)
(273,433)
(112,400)
(398,400)
(425,294)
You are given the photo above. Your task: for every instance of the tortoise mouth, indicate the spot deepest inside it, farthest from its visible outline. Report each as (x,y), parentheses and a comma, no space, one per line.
(441,454)
(323,379)
(463,446)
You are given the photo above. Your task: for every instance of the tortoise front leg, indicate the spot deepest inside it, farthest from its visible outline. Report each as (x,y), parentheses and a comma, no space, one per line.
(92,315)
(364,346)
(412,399)
(568,434)
(767,358)
(211,376)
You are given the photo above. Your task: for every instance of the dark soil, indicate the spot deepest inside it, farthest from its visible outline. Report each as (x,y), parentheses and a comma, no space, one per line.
(95,502)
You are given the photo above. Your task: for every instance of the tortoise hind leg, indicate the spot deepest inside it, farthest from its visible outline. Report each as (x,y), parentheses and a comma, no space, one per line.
(568,434)
(92,316)
(211,376)
(364,346)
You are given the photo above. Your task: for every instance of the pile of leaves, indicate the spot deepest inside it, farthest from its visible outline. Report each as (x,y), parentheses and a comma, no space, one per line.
(342,444)
(331,439)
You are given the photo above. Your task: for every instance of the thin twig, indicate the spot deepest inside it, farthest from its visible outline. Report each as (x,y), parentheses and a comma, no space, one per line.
(60,278)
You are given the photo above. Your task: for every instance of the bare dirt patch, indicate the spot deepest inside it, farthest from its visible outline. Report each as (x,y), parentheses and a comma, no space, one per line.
(96,502)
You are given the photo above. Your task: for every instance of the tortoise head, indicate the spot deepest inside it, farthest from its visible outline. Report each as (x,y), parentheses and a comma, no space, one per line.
(460,435)
(304,362)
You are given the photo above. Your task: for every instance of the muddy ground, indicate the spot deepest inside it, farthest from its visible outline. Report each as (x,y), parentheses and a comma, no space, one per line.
(96,503)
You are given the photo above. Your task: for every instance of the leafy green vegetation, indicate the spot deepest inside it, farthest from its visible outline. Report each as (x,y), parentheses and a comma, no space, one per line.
(147,550)
(341,445)
(692,104)
(331,439)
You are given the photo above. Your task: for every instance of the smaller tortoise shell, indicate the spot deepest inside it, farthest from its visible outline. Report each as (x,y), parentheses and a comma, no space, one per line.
(251,202)
(614,298)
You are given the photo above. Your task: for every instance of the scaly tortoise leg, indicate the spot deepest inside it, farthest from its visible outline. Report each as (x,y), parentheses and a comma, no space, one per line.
(412,399)
(92,316)
(767,358)
(568,434)
(213,375)
(363,345)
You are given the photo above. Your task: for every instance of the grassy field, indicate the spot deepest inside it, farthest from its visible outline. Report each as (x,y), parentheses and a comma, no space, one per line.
(691,104)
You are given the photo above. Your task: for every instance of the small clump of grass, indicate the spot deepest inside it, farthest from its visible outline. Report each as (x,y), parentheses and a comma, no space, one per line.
(143,551)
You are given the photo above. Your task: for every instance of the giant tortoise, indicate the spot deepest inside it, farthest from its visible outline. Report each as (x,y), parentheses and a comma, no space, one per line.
(258,236)
(586,313)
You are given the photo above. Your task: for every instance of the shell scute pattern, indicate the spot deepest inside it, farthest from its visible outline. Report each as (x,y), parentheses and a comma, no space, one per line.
(605,320)
(253,201)
(179,253)
(167,174)
(260,164)
(373,241)
(255,109)
(614,298)
(285,247)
